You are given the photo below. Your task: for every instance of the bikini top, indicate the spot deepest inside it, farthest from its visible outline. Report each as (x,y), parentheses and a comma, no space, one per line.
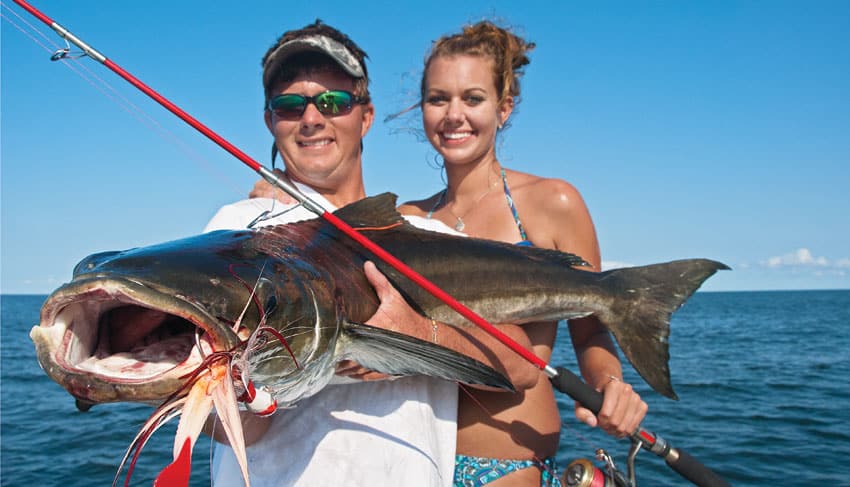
(525,241)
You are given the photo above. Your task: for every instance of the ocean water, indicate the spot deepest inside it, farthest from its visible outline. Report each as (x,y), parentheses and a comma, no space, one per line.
(763,380)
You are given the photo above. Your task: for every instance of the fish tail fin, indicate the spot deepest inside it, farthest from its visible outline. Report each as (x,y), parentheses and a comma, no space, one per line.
(641,325)
(398,354)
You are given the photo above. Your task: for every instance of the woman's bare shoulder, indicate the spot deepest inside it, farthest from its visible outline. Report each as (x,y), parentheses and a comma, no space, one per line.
(555,215)
(550,194)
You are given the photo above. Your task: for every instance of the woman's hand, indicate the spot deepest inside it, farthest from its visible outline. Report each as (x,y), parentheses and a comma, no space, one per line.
(622,409)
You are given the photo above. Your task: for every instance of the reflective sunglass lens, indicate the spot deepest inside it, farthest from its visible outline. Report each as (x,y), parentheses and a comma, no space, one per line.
(334,103)
(329,103)
(286,106)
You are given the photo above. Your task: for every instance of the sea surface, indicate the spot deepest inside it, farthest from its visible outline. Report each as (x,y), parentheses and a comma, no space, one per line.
(763,380)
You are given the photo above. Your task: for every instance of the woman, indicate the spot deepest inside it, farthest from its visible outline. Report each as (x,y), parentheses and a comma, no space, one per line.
(469,88)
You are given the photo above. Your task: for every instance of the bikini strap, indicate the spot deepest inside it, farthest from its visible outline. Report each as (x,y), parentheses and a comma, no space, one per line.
(513,207)
(437,204)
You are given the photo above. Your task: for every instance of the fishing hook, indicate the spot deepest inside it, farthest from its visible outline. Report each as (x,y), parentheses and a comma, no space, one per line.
(265,215)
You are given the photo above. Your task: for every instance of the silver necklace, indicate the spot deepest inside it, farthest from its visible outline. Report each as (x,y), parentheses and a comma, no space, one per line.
(460,225)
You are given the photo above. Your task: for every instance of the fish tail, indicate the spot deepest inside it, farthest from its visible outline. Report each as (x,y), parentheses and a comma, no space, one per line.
(641,324)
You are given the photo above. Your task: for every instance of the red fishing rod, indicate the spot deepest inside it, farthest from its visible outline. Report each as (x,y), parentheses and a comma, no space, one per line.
(563,379)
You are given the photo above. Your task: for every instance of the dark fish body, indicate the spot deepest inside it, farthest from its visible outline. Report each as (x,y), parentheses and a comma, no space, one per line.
(305,282)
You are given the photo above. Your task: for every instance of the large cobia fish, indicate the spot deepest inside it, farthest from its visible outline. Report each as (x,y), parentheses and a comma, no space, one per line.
(265,314)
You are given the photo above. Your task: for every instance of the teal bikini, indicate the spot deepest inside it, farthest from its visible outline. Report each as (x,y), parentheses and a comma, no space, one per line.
(525,241)
(477,471)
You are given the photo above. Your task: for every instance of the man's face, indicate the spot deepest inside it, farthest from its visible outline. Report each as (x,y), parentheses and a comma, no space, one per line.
(322,151)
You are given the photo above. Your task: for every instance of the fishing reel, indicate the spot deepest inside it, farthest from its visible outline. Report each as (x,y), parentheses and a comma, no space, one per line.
(584,473)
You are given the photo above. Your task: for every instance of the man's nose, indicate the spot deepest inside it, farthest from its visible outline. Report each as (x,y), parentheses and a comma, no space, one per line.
(312,116)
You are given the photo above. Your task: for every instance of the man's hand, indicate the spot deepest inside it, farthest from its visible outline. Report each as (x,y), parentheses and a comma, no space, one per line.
(392,312)
(353,370)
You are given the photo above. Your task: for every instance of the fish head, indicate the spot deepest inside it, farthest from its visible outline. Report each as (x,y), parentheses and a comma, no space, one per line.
(135,325)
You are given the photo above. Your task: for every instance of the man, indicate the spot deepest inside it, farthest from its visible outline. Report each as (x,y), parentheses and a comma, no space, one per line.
(371,432)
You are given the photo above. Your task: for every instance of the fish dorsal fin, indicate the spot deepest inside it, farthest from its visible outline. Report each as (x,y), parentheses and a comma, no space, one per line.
(374,211)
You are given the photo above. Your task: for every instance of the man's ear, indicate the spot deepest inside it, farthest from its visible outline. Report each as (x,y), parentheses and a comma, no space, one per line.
(368,116)
(267,115)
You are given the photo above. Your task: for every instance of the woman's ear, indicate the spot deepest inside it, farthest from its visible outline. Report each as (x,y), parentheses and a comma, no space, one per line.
(505,110)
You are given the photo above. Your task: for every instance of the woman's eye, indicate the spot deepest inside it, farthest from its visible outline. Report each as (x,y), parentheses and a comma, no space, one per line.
(474,100)
(436,99)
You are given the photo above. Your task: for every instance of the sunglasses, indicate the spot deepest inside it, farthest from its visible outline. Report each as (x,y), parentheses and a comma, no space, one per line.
(331,103)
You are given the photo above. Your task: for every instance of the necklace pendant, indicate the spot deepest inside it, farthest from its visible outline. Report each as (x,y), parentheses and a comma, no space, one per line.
(459,226)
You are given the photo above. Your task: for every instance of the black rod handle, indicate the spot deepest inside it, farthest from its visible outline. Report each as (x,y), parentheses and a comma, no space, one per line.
(693,470)
(572,385)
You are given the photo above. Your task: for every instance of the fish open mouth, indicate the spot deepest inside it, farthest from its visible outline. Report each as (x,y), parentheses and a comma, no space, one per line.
(124,340)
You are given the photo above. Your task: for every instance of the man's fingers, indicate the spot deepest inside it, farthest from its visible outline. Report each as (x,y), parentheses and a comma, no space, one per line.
(376,279)
(264,189)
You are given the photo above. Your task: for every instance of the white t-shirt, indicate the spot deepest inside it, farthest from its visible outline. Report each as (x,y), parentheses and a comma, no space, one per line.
(368,434)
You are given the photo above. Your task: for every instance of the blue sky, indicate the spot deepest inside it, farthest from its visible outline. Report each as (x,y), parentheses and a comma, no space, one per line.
(693,129)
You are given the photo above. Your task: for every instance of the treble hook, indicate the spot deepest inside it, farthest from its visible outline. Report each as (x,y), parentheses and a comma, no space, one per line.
(65,53)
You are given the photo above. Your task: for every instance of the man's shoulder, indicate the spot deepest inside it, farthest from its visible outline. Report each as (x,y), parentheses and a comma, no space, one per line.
(265,211)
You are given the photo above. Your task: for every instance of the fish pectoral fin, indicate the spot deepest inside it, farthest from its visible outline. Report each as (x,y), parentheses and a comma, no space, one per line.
(394,353)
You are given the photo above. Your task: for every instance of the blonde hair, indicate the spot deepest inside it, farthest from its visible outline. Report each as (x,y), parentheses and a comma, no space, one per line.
(508,51)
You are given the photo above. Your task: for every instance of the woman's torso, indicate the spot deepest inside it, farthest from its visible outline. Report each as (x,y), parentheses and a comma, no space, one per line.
(530,417)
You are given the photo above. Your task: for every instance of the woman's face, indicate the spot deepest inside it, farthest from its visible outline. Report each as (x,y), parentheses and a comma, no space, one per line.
(460,108)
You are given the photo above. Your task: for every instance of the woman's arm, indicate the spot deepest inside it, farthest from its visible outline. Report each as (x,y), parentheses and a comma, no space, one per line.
(572,230)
